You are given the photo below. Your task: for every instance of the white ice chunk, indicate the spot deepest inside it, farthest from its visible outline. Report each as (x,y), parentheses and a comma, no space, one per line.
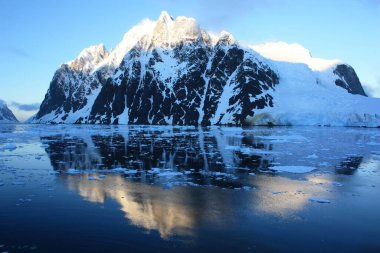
(130,171)
(293,169)
(118,170)
(170,174)
(72,171)
(154,171)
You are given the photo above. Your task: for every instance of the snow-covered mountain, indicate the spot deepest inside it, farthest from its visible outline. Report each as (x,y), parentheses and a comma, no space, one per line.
(6,115)
(171,71)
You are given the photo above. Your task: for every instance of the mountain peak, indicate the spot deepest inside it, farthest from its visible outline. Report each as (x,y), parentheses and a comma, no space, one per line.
(226,38)
(163,33)
(89,58)
(165,17)
(169,32)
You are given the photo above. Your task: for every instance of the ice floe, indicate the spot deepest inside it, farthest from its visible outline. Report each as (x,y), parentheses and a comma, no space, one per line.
(170,174)
(293,169)
(73,171)
(9,147)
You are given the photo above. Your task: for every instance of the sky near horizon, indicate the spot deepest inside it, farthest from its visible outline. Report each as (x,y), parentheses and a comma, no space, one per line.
(36,36)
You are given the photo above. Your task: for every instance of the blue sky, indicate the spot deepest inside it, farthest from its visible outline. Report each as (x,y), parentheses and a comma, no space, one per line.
(36,36)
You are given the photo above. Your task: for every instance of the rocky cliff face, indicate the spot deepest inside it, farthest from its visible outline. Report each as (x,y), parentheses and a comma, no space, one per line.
(348,79)
(171,72)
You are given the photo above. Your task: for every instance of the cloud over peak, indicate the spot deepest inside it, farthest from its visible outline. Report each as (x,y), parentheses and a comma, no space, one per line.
(26,107)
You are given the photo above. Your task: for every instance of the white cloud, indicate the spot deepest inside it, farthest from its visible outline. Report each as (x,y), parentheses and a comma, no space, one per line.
(372,89)
(26,107)
(22,115)
(282,51)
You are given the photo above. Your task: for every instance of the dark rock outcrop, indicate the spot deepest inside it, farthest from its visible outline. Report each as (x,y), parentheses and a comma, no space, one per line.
(348,79)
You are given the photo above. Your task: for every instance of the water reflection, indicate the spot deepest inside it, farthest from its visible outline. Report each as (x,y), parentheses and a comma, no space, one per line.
(147,161)
(181,210)
(284,196)
(349,165)
(174,212)
(202,157)
(233,151)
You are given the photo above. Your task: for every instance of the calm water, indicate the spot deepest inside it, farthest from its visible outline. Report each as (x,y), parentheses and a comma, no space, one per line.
(183,189)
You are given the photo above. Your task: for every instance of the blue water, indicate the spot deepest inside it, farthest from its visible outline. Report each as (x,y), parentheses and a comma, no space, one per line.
(69,188)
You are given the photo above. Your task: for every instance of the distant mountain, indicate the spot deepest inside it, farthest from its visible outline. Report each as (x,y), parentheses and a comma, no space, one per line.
(6,115)
(174,72)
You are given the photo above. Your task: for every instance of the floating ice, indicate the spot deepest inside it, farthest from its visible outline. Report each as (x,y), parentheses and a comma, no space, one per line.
(169,174)
(313,156)
(319,200)
(234,148)
(130,171)
(248,151)
(9,147)
(154,171)
(118,170)
(284,138)
(293,169)
(72,171)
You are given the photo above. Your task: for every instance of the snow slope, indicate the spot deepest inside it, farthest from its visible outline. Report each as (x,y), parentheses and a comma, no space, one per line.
(282,51)
(307,97)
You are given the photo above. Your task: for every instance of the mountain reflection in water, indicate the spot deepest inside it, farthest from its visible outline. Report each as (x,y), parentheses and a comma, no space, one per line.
(146,206)
(169,189)
(179,210)
(156,159)
(216,149)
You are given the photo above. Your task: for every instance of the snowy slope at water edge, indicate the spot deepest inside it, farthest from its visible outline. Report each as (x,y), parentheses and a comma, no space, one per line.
(308,93)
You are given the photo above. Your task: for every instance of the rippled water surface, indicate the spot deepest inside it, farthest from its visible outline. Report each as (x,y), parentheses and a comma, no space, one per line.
(74,188)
